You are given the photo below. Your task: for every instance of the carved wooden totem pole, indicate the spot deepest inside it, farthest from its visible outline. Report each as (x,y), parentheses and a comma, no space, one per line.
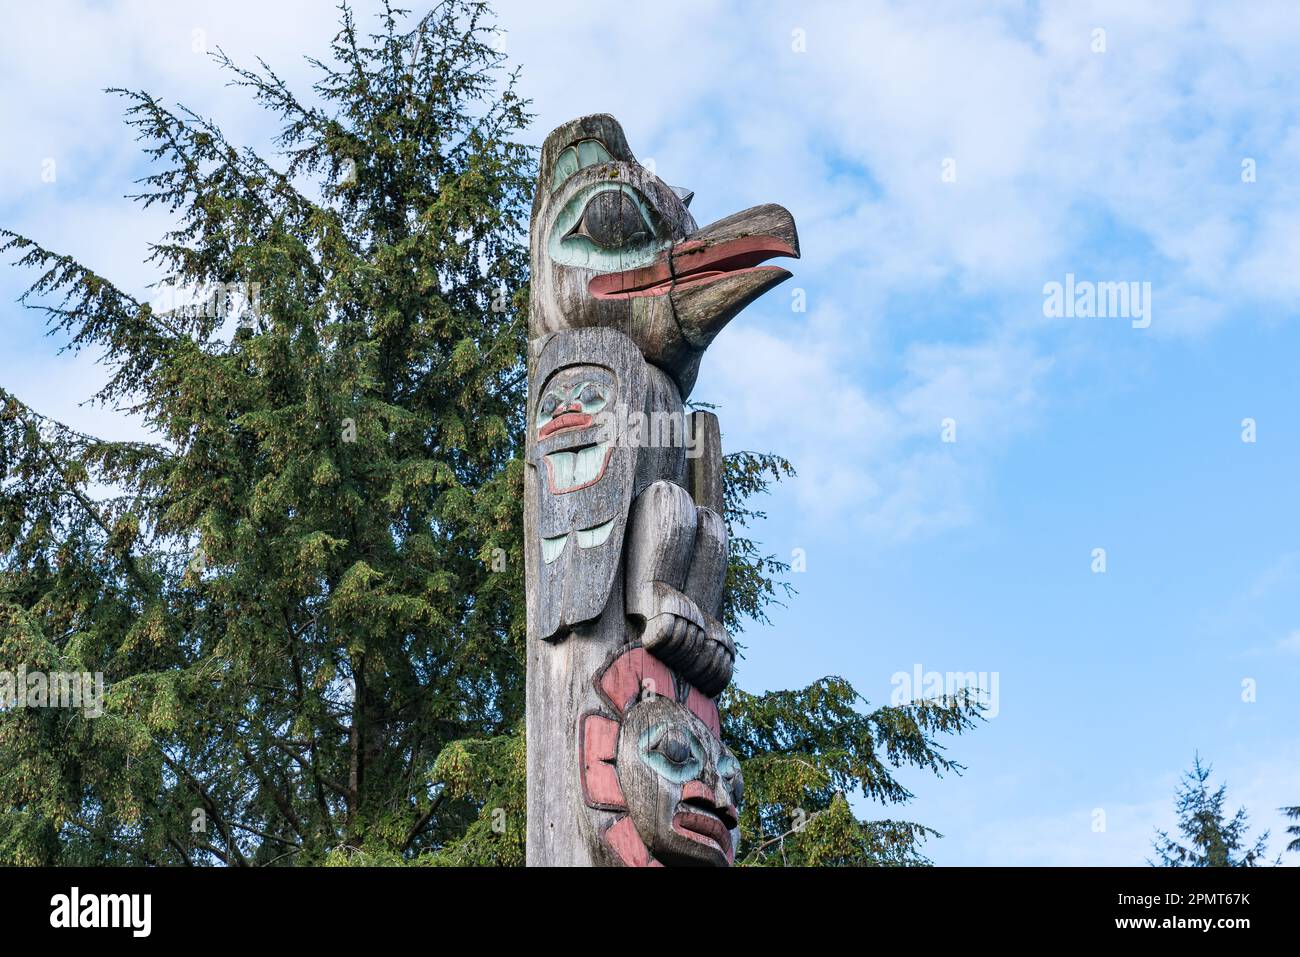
(625,541)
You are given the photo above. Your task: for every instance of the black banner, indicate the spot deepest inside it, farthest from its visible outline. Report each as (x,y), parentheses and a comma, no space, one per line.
(334,905)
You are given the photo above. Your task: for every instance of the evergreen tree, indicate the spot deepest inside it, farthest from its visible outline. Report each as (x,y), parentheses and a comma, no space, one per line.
(1294,830)
(306,593)
(1212,839)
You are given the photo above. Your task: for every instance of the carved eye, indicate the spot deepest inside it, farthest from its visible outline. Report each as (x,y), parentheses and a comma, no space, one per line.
(728,766)
(674,747)
(612,221)
(591,395)
(550,403)
(672,751)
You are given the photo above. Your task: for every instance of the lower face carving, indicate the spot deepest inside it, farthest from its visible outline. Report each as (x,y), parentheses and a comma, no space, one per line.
(660,765)
(571,470)
(682,784)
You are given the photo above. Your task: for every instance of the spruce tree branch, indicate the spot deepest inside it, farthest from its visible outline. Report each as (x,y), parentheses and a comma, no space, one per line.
(180,850)
(212,808)
(754,854)
(280,799)
(311,768)
(66,271)
(264,834)
(422,822)
(91,511)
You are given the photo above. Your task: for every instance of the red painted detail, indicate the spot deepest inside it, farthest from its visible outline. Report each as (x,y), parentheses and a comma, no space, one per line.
(629,282)
(697,789)
(701,801)
(706,709)
(600,785)
(626,843)
(693,279)
(734,254)
(689,262)
(704,829)
(550,477)
(567,420)
(622,682)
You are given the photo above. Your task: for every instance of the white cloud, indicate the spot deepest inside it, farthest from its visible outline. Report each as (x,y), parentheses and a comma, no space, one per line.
(1054,146)
(1279,576)
(1290,645)
(878,464)
(1123,165)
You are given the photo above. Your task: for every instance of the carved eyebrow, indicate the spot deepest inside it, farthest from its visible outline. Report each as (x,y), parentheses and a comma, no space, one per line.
(578,156)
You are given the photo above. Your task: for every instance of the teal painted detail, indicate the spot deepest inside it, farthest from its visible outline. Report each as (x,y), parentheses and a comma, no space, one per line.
(590,152)
(582,467)
(552,547)
(569,248)
(592,396)
(565,166)
(596,536)
(576,157)
(672,751)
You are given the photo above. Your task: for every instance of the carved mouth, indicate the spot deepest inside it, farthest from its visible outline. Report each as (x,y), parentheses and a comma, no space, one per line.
(705,824)
(564,422)
(693,262)
(575,469)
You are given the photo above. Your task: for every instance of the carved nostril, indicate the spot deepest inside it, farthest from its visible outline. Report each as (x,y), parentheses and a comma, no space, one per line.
(727,811)
(722,797)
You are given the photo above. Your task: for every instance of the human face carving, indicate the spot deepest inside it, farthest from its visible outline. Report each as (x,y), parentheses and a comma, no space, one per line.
(683,785)
(575,442)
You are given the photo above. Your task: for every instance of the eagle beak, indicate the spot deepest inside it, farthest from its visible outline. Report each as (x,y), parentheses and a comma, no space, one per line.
(717,271)
(714,273)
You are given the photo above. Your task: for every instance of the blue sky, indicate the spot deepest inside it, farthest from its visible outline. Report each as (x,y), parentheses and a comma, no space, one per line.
(924,302)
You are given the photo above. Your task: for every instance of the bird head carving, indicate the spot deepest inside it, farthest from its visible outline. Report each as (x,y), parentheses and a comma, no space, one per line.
(613,245)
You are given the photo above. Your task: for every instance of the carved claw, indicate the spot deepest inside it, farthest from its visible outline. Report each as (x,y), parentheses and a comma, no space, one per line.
(676,557)
(703,654)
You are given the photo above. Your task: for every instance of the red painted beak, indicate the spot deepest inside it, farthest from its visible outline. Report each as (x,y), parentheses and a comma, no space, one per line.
(730,247)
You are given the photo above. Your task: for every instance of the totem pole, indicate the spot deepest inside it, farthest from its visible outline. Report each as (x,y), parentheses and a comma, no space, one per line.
(624,534)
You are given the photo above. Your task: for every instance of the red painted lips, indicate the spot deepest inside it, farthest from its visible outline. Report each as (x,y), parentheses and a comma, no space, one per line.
(568,420)
(704,828)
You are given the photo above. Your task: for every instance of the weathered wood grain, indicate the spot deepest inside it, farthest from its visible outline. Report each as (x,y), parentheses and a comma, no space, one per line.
(625,542)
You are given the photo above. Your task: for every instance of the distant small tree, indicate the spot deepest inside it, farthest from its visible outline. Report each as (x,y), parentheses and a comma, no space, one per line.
(1294,830)
(1212,839)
